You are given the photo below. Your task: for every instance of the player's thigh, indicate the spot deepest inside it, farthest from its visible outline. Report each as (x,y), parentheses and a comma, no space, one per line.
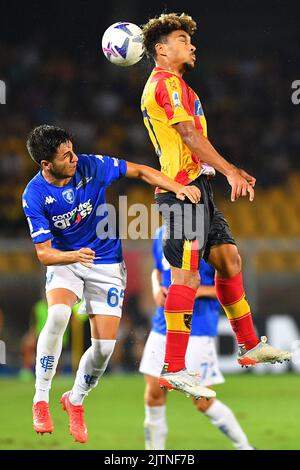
(185,234)
(104,326)
(104,289)
(64,284)
(186,278)
(225,259)
(61,296)
(153,355)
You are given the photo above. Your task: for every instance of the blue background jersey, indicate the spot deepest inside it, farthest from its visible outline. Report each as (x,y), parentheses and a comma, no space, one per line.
(206,310)
(68,215)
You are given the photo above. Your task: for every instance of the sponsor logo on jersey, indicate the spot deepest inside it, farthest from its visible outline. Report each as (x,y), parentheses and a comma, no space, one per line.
(24,203)
(176,100)
(198,108)
(76,215)
(49,200)
(68,195)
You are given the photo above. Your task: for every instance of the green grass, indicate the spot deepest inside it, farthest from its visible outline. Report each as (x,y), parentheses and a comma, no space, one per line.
(268,408)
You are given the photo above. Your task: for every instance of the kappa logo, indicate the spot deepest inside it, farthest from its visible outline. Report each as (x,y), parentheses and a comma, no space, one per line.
(49,200)
(68,195)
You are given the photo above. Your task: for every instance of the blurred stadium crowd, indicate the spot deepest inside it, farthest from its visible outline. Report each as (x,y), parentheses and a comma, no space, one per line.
(251,121)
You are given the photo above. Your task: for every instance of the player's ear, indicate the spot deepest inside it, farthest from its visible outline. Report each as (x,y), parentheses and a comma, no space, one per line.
(45,164)
(160,49)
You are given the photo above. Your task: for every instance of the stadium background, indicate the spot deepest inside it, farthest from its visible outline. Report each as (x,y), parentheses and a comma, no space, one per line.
(247,59)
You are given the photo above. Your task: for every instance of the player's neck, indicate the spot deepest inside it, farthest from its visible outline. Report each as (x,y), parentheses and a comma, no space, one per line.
(54,180)
(170,68)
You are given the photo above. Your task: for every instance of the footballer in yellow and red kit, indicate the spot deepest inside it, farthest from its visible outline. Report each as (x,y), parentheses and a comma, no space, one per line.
(168,100)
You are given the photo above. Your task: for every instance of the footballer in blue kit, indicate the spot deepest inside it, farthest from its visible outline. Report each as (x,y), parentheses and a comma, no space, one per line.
(201,357)
(65,209)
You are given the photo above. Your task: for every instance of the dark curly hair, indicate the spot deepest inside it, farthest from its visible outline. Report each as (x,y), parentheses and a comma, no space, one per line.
(43,142)
(157,29)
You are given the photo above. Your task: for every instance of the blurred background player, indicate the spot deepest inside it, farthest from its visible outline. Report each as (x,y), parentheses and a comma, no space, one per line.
(83,258)
(176,124)
(201,355)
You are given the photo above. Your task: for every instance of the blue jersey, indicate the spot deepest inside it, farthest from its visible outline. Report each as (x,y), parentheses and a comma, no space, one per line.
(206,310)
(75,215)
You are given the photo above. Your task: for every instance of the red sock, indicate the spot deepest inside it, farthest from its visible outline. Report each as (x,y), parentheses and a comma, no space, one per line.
(178,313)
(231,295)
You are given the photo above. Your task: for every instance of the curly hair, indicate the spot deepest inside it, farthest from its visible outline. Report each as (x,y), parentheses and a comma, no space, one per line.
(158,28)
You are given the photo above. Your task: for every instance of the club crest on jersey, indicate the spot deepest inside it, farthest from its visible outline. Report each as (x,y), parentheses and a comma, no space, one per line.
(68,195)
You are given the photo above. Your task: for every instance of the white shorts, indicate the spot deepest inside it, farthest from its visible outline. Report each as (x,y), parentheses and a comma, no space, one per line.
(201,356)
(102,286)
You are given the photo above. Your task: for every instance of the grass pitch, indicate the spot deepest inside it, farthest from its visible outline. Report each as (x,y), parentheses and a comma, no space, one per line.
(267,407)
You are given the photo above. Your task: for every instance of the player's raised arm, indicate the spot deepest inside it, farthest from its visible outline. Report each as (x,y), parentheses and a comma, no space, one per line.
(241,182)
(49,256)
(156,178)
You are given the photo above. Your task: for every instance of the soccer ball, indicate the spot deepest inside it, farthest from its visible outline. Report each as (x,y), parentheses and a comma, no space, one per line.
(122,44)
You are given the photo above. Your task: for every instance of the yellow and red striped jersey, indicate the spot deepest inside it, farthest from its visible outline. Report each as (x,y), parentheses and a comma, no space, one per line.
(167,100)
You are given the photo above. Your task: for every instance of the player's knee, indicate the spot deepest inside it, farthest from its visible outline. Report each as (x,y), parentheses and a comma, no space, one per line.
(192,280)
(102,350)
(202,404)
(231,262)
(58,318)
(154,396)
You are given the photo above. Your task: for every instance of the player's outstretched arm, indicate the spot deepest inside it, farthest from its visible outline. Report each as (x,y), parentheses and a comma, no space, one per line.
(156,178)
(241,182)
(49,256)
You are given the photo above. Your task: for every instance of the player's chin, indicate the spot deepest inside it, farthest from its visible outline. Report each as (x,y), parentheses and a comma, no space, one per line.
(188,66)
(72,171)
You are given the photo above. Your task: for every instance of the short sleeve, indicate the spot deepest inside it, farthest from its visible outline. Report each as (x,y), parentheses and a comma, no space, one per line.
(39,225)
(172,97)
(108,169)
